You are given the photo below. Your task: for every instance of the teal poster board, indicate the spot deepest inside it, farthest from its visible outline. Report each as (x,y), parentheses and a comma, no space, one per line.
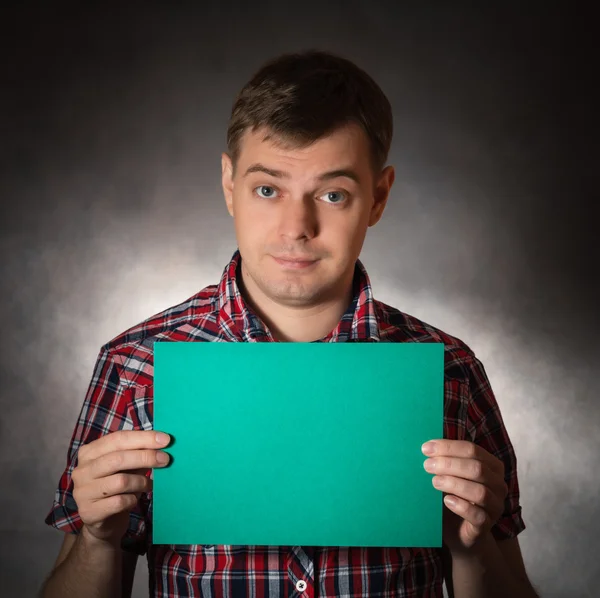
(315,444)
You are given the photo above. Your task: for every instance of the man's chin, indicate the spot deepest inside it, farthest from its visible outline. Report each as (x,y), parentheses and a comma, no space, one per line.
(292,294)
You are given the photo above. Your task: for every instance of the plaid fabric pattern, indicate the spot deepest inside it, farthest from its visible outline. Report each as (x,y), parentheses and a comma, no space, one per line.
(120,397)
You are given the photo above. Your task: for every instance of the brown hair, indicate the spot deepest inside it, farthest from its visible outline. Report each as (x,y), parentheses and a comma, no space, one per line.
(301,97)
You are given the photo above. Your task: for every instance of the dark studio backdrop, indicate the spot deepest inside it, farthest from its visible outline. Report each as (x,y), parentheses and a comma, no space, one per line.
(113,121)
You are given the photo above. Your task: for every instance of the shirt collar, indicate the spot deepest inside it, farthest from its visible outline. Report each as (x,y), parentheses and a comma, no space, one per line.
(239,323)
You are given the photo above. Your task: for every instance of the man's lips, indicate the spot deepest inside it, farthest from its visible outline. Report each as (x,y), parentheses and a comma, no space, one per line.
(294,262)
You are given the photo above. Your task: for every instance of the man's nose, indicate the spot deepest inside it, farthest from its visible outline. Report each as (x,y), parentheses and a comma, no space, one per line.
(298,218)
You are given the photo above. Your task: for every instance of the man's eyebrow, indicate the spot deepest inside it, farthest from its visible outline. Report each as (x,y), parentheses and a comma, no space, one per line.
(332,174)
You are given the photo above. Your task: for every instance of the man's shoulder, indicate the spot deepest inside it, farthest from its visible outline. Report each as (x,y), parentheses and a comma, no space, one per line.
(194,316)
(397,326)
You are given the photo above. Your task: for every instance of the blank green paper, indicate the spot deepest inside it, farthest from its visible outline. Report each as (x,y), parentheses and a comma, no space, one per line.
(291,444)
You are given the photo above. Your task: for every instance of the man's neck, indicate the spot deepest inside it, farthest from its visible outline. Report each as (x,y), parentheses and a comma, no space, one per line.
(288,324)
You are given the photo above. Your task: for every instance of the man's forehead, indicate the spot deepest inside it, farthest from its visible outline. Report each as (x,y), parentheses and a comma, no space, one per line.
(341,148)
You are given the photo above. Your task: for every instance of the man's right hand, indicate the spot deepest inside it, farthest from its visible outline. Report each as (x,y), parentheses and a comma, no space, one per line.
(110,477)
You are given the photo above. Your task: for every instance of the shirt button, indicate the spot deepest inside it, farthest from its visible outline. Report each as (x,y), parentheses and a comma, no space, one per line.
(301,585)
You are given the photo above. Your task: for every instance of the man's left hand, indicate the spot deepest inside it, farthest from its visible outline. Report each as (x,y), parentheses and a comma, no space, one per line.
(474,479)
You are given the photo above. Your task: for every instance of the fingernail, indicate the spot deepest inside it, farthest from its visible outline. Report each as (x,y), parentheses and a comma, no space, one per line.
(428,448)
(429,464)
(162,438)
(450,501)
(162,457)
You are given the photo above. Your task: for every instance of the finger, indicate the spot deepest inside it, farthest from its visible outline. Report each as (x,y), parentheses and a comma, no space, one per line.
(98,511)
(146,473)
(143,472)
(475,515)
(121,440)
(472,492)
(126,460)
(83,475)
(466,450)
(469,469)
(119,483)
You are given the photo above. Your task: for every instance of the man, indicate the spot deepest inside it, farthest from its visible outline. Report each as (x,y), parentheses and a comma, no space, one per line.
(303,179)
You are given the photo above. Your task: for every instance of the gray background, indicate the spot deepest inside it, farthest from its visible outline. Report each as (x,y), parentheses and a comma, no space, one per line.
(112,210)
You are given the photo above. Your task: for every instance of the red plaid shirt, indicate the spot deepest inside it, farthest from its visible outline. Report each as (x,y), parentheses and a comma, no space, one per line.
(120,397)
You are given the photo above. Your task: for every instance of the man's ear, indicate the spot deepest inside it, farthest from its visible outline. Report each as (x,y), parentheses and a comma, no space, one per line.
(381,194)
(227,181)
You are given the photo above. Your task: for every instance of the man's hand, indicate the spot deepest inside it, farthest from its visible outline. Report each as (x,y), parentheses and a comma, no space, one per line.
(110,477)
(473,479)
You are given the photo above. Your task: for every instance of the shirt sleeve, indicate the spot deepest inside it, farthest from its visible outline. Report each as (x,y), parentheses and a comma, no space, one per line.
(486,429)
(106,408)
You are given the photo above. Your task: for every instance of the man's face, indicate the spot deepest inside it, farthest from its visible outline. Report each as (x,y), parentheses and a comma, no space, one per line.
(297,214)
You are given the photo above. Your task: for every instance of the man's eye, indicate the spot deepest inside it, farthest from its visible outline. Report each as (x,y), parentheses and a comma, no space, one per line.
(262,187)
(341,196)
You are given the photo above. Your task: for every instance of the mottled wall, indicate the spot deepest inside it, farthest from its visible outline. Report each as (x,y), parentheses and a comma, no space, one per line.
(112,128)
